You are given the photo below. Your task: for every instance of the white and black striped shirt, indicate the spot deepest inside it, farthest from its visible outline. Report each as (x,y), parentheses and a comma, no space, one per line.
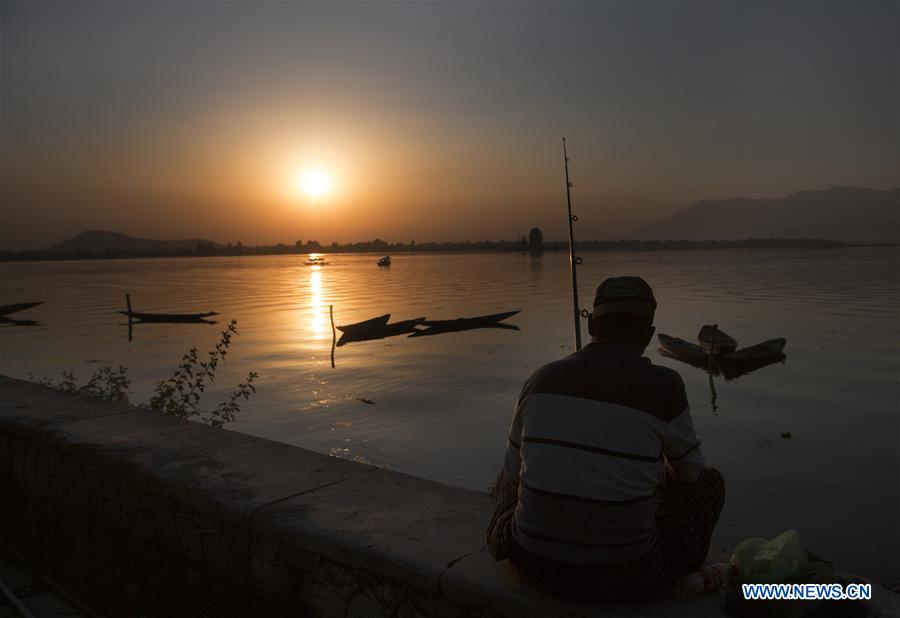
(588,446)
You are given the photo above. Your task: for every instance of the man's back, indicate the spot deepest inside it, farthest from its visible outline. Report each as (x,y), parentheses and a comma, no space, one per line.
(588,446)
(603,490)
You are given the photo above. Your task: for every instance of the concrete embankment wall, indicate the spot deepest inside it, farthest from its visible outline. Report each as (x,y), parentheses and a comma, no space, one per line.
(294,531)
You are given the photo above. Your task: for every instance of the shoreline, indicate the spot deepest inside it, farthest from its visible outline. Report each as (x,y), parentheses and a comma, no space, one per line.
(471,248)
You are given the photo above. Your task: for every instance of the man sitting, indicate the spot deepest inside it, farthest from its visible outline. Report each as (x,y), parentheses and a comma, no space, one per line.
(604,490)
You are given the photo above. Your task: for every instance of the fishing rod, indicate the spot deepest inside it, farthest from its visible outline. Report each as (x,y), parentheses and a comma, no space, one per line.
(573,260)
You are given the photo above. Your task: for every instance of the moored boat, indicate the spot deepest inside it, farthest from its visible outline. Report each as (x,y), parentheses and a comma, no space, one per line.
(7,309)
(165,317)
(493,320)
(168,317)
(377,322)
(714,341)
(480,319)
(380,331)
(761,352)
(681,349)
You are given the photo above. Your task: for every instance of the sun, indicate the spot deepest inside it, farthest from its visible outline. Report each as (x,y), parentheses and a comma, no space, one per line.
(313,182)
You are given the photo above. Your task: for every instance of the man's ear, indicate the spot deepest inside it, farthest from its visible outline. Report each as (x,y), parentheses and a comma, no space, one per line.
(591,324)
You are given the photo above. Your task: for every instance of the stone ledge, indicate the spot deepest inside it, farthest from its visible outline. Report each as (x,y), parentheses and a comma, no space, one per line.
(397,525)
(288,526)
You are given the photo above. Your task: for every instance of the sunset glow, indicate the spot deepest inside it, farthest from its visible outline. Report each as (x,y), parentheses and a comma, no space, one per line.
(298,120)
(313,182)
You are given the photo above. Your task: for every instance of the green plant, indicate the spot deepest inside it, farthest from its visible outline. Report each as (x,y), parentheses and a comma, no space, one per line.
(107,383)
(179,395)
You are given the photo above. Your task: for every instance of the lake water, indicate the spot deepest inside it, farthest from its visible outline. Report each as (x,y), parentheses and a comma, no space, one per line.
(442,404)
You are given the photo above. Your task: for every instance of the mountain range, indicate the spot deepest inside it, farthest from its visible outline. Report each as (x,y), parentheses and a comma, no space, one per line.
(841,213)
(845,214)
(100,240)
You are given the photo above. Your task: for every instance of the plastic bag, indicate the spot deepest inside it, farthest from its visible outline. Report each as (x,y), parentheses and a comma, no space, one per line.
(761,561)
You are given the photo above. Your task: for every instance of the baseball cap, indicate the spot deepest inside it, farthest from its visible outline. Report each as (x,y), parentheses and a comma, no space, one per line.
(625,295)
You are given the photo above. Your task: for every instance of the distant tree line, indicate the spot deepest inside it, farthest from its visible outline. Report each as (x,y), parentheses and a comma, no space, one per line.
(534,243)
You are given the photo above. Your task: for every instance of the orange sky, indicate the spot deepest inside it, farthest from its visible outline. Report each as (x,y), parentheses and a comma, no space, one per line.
(166,120)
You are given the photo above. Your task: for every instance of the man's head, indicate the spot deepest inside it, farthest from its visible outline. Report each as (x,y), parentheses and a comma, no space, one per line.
(623,312)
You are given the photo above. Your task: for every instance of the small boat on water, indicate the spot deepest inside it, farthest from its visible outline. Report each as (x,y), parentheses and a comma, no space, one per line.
(482,321)
(761,352)
(731,365)
(681,349)
(754,357)
(714,341)
(377,322)
(4,321)
(385,261)
(7,309)
(166,317)
(380,331)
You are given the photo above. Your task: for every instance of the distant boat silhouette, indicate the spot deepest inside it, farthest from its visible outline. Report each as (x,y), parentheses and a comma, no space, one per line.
(379,321)
(435,327)
(380,331)
(7,309)
(714,341)
(731,365)
(11,322)
(764,351)
(166,317)
(385,261)
(169,317)
(378,327)
(682,350)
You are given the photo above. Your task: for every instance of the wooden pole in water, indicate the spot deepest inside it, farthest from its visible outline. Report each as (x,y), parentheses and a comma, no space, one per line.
(333,333)
(711,366)
(573,261)
(128,304)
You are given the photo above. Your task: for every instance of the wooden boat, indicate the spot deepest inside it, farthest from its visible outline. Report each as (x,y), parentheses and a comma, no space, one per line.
(714,341)
(477,320)
(4,321)
(426,332)
(380,331)
(168,317)
(385,261)
(165,317)
(761,352)
(681,349)
(7,309)
(754,357)
(732,365)
(482,321)
(372,323)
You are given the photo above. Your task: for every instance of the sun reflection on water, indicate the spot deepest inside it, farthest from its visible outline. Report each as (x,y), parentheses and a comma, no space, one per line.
(319,319)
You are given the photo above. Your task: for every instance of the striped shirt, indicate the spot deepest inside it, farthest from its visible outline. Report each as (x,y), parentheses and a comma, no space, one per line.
(589,444)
